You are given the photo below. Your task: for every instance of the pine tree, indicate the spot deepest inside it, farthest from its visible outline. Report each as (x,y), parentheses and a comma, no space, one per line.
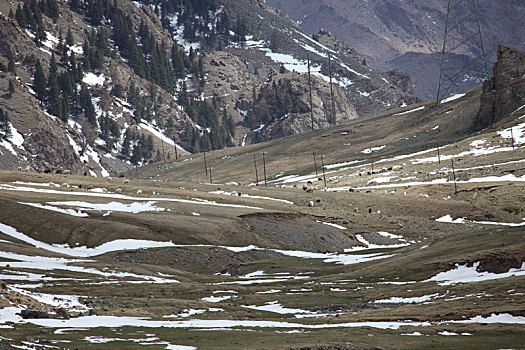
(20,17)
(74,4)
(95,11)
(50,9)
(136,157)
(87,105)
(69,38)
(11,66)
(54,101)
(5,126)
(205,141)
(240,30)
(61,46)
(102,43)
(39,82)
(11,87)
(126,143)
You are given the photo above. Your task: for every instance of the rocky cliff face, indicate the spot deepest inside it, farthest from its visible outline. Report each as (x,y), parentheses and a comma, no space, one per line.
(276,106)
(504,93)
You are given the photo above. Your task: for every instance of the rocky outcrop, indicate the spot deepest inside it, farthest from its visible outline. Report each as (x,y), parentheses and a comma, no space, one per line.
(266,104)
(504,93)
(283,106)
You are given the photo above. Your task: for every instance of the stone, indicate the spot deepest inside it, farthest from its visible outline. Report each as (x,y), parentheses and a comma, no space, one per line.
(504,93)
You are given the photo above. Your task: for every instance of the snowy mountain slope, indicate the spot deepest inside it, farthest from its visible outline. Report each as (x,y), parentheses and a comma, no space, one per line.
(96,89)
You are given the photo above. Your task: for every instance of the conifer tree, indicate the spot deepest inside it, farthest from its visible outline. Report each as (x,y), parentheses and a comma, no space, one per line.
(39,82)
(126,143)
(11,66)
(20,17)
(87,105)
(69,38)
(5,126)
(136,157)
(11,87)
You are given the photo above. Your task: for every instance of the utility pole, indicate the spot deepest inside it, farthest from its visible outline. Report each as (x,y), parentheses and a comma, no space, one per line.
(162,146)
(512,138)
(439,157)
(264,167)
(211,179)
(315,164)
(324,176)
(454,175)
(462,17)
(175,145)
(332,109)
(310,86)
(256,174)
(205,165)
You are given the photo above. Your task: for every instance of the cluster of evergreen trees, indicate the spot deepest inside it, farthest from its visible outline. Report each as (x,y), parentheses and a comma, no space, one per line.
(29,16)
(62,92)
(136,145)
(58,92)
(5,126)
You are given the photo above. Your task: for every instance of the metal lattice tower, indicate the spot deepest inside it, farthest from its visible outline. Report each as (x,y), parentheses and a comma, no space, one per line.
(462,36)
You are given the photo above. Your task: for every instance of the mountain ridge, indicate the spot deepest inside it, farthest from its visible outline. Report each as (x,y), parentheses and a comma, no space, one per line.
(407,35)
(121,83)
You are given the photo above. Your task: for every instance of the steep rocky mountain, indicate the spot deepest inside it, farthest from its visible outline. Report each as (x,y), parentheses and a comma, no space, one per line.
(97,86)
(407,35)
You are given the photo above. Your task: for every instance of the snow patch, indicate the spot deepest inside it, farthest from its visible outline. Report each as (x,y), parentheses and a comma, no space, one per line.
(452,98)
(466,274)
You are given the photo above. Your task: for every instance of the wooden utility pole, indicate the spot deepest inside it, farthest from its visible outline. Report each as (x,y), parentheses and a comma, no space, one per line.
(256,174)
(211,179)
(322,165)
(162,146)
(264,167)
(310,86)
(315,164)
(205,165)
(454,175)
(176,153)
(512,138)
(439,156)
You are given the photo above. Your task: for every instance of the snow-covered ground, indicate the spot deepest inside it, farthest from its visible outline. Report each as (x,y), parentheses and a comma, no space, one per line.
(410,111)
(134,207)
(119,244)
(466,274)
(158,134)
(452,98)
(10,314)
(196,201)
(93,79)
(407,300)
(448,218)
(15,139)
